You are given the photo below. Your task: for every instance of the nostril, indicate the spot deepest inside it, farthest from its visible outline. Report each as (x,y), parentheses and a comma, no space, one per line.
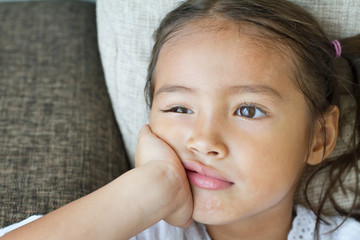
(210,153)
(213,153)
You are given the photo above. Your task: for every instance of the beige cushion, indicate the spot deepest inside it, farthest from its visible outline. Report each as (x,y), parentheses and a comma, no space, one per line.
(339,18)
(125,31)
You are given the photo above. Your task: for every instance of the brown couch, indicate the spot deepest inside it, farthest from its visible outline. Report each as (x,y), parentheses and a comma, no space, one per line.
(58,136)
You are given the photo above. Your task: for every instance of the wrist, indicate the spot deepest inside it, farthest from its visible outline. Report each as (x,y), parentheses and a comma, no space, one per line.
(163,182)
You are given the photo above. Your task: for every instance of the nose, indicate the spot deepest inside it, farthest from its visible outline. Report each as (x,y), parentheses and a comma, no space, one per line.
(206,140)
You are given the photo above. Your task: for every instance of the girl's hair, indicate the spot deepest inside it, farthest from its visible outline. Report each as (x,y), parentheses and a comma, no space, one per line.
(315,69)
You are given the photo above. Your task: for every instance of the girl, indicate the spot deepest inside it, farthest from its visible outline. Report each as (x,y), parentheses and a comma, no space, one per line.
(244,99)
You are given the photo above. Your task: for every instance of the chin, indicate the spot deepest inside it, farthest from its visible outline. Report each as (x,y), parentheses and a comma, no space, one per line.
(206,219)
(209,211)
(211,208)
(212,215)
(212,219)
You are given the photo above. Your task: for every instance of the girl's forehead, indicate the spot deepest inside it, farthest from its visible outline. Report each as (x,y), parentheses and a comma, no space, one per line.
(225,57)
(222,29)
(217,36)
(256,35)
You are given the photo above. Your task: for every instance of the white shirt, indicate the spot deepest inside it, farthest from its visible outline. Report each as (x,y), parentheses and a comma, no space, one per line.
(302,229)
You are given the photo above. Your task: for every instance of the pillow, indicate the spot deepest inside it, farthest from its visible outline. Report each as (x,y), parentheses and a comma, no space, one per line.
(125,30)
(58,136)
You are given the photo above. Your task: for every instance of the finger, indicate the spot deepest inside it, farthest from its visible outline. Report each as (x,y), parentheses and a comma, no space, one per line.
(144,131)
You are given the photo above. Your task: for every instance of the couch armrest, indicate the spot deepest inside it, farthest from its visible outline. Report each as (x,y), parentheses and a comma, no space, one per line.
(58,136)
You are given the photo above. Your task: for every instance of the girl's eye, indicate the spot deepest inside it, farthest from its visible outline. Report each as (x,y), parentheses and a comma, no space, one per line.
(249,111)
(178,109)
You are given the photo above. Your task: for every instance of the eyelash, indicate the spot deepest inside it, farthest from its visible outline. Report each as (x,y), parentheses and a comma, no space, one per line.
(258,110)
(185,110)
(177,109)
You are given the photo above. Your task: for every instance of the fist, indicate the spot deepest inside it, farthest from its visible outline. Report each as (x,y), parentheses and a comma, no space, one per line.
(152,149)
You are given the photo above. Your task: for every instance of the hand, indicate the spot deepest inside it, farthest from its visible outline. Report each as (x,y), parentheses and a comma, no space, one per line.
(152,150)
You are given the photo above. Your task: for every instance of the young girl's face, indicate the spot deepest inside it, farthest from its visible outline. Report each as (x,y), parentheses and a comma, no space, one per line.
(228,107)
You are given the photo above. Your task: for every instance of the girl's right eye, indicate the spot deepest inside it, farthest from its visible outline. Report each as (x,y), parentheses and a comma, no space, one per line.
(179,109)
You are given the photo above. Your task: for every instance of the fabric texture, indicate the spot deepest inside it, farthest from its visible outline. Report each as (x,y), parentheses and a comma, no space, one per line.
(164,231)
(125,31)
(58,136)
(19,224)
(339,18)
(302,229)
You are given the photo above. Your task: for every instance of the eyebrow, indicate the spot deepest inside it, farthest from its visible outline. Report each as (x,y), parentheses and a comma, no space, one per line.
(258,89)
(173,88)
(241,89)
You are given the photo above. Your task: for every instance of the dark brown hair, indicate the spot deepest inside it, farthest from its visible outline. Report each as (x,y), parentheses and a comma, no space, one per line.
(315,72)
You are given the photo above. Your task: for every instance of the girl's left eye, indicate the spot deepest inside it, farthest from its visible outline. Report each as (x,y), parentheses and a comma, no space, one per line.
(249,111)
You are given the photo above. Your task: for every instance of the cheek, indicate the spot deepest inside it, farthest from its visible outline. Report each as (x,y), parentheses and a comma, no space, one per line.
(272,158)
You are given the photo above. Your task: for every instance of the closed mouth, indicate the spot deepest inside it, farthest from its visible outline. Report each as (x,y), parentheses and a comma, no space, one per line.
(205,177)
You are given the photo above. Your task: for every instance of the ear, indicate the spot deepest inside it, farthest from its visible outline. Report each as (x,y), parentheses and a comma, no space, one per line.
(328,128)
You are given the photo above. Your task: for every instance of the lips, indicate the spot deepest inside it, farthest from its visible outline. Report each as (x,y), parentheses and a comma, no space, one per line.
(204,177)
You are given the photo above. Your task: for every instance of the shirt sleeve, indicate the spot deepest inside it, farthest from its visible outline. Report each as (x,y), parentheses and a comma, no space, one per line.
(17,225)
(350,230)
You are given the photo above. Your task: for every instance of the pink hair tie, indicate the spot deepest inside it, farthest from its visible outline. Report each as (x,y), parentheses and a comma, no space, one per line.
(337,47)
